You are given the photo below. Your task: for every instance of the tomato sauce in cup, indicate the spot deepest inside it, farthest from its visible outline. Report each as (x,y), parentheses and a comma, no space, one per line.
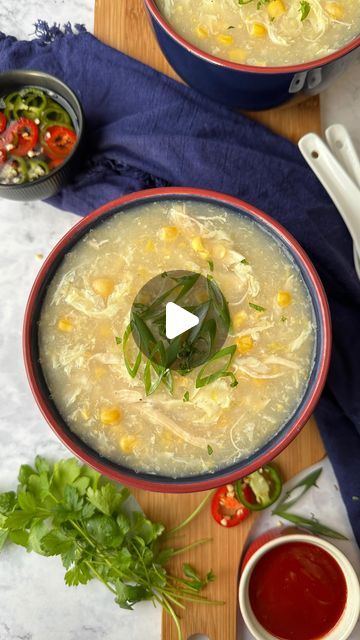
(297,586)
(297,591)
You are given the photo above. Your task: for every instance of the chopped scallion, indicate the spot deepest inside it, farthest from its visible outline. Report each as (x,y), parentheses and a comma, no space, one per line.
(257,307)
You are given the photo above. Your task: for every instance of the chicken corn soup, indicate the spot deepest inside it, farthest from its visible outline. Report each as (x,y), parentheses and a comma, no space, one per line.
(150,417)
(265,32)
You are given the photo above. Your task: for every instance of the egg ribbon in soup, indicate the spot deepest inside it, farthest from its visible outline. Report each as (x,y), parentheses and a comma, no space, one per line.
(265,32)
(193,423)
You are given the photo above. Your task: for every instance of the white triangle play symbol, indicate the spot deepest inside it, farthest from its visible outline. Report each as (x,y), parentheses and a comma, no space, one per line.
(178,320)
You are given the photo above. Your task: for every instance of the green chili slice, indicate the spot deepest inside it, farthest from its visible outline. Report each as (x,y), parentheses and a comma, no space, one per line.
(260,489)
(55,114)
(37,169)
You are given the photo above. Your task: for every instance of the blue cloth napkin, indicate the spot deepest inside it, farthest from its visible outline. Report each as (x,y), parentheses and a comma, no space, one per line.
(146,130)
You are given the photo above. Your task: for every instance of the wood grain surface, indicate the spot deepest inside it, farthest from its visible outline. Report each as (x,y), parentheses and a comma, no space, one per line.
(123,24)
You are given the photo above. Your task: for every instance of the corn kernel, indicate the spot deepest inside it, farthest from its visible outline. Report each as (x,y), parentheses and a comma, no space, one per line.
(197,244)
(276,8)
(202,32)
(150,246)
(128,443)
(110,415)
(99,372)
(103,286)
(239,319)
(335,10)
(238,55)
(219,251)
(225,38)
(244,344)
(65,325)
(283,298)
(168,233)
(258,30)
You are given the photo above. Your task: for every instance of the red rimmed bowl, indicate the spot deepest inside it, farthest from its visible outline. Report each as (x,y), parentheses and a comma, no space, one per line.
(246,86)
(224,475)
(345,586)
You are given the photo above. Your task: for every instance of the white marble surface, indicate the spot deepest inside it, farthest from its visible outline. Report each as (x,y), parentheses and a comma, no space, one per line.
(34,602)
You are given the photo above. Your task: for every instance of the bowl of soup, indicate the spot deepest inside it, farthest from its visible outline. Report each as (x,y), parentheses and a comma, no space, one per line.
(210,404)
(41,134)
(257,54)
(298,586)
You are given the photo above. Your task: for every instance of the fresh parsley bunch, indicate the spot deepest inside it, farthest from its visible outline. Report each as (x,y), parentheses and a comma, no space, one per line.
(70,510)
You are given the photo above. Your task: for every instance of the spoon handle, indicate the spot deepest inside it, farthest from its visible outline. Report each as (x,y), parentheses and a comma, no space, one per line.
(342,146)
(337,182)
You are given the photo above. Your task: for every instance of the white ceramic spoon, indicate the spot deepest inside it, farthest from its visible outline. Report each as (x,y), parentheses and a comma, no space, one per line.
(335,178)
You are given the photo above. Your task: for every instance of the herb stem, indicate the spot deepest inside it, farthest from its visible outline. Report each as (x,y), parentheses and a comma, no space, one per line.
(99,577)
(83,534)
(191,546)
(191,517)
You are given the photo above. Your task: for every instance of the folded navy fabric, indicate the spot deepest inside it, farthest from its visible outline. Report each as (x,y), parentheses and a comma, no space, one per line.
(145,130)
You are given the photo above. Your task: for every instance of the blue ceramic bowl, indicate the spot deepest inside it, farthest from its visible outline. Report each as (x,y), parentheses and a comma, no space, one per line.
(245,86)
(270,448)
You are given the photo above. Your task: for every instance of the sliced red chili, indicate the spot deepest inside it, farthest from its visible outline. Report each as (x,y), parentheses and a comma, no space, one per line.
(226,508)
(59,141)
(3,121)
(24,135)
(55,162)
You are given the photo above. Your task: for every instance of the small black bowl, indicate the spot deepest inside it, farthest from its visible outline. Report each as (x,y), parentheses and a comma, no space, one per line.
(52,182)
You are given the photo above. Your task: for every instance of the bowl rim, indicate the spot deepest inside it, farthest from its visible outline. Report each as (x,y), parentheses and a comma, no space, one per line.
(348,618)
(43,74)
(236,66)
(151,481)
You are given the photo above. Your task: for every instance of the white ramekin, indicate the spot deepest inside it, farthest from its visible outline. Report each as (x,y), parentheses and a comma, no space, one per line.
(348,620)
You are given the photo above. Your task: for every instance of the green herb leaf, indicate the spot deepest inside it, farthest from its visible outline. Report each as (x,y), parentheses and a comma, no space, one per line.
(257,307)
(219,302)
(186,396)
(118,340)
(304,9)
(304,485)
(227,353)
(210,450)
(132,369)
(244,261)
(313,525)
(211,262)
(69,510)
(7,502)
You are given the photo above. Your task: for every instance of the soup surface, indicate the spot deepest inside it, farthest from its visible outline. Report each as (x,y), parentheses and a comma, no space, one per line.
(265,32)
(189,429)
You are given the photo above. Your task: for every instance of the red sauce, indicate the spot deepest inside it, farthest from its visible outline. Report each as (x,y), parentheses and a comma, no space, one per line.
(297,591)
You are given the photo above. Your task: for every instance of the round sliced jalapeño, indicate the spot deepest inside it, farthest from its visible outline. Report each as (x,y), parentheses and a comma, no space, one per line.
(260,489)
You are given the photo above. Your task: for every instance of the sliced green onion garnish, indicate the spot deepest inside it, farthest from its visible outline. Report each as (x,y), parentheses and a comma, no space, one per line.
(257,307)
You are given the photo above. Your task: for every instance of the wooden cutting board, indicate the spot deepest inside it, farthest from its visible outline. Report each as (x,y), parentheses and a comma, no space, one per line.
(123,24)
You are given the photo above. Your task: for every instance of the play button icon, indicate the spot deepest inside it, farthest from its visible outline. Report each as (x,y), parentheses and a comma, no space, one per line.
(178,320)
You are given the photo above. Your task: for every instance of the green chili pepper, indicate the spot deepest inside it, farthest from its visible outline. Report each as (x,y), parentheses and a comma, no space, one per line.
(9,104)
(37,169)
(17,164)
(260,489)
(30,103)
(55,114)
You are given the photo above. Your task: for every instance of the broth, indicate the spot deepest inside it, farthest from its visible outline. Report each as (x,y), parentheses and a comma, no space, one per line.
(195,430)
(265,32)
